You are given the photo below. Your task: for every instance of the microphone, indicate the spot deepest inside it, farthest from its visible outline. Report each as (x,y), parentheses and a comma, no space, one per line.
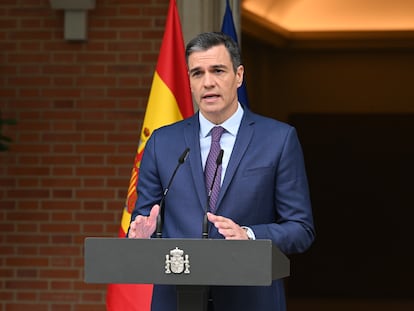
(160,218)
(219,160)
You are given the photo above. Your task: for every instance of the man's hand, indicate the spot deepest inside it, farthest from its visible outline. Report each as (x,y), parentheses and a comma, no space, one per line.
(142,227)
(227,227)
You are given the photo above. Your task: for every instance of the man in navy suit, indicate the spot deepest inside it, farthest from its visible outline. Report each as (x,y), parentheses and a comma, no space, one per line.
(264,191)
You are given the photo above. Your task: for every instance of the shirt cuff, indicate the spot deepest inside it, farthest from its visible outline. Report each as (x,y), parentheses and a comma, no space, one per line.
(250,233)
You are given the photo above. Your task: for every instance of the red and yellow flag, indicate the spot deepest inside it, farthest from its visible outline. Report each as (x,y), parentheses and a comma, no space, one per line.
(169,101)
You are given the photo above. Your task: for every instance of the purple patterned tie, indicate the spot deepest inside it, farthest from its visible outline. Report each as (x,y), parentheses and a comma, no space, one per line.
(211,166)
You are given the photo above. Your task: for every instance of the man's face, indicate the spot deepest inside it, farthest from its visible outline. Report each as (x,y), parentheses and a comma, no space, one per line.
(214,83)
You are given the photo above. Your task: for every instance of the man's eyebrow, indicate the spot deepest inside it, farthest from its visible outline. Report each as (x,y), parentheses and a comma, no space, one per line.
(218,66)
(194,69)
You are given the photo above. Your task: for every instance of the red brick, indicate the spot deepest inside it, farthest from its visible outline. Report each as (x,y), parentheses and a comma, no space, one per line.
(93,229)
(61,217)
(124,92)
(4,297)
(28,205)
(60,261)
(95,194)
(62,171)
(95,69)
(94,137)
(96,58)
(24,239)
(27,251)
(29,92)
(34,81)
(64,81)
(28,58)
(26,306)
(95,217)
(7,92)
(10,23)
(92,297)
(102,35)
(60,137)
(61,70)
(62,159)
(6,250)
(60,205)
(27,273)
(27,262)
(30,70)
(6,273)
(95,92)
(61,285)
(59,228)
(96,149)
(94,81)
(23,216)
(4,69)
(59,274)
(63,57)
(26,228)
(62,148)
(68,126)
(94,183)
(26,296)
(88,307)
(25,284)
(31,46)
(7,227)
(61,182)
(32,193)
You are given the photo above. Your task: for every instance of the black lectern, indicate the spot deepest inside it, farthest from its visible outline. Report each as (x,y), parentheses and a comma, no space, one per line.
(191,264)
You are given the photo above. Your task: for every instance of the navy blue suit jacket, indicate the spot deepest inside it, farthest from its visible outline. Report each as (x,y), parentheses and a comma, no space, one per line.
(265,187)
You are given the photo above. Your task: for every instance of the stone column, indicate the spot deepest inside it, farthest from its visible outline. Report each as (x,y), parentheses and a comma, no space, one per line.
(205,15)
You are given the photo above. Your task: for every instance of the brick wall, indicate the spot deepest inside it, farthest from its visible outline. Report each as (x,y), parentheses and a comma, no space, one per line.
(79,108)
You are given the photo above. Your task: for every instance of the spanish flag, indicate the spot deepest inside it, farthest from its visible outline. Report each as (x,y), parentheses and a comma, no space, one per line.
(169,101)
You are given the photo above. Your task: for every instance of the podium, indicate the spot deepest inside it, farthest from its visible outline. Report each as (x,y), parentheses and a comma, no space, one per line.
(191,264)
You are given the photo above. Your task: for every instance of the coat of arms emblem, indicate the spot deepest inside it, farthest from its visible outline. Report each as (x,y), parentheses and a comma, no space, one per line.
(176,262)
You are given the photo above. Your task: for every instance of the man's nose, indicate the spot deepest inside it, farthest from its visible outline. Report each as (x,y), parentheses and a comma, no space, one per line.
(208,80)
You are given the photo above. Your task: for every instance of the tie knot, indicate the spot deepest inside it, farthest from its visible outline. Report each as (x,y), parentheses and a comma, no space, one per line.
(216,133)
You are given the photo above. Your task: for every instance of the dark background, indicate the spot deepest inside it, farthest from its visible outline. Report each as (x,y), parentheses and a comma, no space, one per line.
(360,170)
(352,106)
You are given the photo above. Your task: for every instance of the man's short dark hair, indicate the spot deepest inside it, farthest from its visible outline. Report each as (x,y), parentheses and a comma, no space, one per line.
(207,40)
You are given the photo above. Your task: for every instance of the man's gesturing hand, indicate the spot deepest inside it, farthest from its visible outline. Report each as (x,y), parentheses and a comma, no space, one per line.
(227,227)
(142,227)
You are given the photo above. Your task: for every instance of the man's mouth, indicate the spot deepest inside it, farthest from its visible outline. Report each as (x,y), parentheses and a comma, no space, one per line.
(210,96)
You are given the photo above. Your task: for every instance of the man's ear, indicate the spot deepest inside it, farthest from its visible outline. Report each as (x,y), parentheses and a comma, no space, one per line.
(240,75)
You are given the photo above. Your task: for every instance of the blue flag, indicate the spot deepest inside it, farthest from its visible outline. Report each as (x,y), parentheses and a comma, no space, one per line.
(229,29)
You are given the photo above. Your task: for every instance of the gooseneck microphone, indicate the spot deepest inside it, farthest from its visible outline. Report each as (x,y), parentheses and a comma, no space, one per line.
(219,160)
(160,217)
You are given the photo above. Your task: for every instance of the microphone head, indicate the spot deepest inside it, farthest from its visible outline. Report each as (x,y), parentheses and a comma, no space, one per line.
(183,157)
(220,157)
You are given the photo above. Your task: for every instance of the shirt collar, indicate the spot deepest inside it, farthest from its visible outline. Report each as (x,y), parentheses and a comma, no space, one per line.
(231,125)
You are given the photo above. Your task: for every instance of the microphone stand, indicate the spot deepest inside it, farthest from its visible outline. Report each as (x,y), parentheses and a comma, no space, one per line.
(160,217)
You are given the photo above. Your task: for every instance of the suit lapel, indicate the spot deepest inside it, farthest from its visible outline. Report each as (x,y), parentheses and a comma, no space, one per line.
(192,138)
(243,139)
